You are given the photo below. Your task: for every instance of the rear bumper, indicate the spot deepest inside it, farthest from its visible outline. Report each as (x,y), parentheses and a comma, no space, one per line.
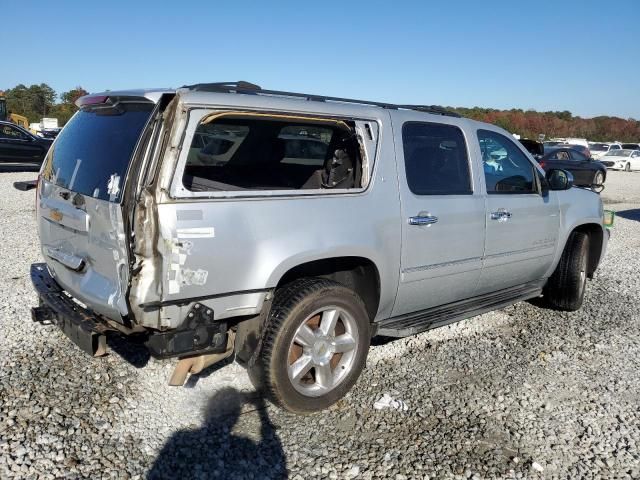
(56,306)
(199,335)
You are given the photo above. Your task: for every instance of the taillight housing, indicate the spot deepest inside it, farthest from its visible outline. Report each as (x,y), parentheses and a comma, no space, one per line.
(91,100)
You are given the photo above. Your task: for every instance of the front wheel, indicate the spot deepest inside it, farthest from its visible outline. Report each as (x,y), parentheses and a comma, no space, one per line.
(565,288)
(314,346)
(627,167)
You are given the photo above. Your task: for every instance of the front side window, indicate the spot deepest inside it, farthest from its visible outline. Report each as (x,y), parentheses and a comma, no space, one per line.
(506,168)
(577,156)
(238,153)
(435,159)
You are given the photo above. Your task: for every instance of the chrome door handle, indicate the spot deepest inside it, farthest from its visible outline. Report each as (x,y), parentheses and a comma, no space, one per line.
(423,220)
(502,215)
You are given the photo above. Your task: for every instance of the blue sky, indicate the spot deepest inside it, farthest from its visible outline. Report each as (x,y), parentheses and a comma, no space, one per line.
(582,56)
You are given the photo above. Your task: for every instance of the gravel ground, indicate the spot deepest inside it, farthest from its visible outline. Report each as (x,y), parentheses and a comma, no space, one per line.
(518,393)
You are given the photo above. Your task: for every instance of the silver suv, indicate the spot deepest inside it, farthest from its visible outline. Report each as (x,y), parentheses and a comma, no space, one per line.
(288,229)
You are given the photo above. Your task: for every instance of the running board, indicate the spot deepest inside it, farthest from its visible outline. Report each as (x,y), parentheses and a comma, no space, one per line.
(412,323)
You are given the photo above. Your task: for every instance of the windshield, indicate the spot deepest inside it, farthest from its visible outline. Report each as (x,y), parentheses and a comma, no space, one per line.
(92,153)
(619,153)
(598,147)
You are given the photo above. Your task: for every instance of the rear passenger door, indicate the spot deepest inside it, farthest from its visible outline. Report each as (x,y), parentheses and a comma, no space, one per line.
(443,223)
(522,224)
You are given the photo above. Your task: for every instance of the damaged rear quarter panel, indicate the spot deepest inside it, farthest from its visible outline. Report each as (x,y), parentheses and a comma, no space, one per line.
(237,249)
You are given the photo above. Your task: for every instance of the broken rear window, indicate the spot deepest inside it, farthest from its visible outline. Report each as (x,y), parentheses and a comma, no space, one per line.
(92,153)
(274,153)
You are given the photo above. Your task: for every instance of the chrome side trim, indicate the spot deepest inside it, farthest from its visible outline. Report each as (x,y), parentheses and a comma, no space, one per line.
(441,265)
(474,259)
(516,252)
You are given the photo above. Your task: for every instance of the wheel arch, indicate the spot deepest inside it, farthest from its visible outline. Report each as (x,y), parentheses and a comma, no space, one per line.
(596,238)
(357,273)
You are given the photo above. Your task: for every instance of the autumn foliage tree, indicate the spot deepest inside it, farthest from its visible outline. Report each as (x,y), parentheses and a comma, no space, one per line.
(530,124)
(65,110)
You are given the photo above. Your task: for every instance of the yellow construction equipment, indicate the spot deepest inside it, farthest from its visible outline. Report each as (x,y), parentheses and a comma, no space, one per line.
(12,117)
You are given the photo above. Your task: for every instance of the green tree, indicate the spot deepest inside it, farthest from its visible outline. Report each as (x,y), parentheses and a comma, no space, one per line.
(34,102)
(43,98)
(72,95)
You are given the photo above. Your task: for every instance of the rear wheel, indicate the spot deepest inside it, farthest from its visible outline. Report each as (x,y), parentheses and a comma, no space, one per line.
(565,288)
(314,347)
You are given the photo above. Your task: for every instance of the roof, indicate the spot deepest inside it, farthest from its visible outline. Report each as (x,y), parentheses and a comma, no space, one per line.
(243,89)
(246,88)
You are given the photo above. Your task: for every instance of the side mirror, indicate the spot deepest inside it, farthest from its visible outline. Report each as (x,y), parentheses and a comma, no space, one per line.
(559,179)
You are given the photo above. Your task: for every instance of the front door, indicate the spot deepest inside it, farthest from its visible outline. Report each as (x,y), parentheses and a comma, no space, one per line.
(582,168)
(443,224)
(522,224)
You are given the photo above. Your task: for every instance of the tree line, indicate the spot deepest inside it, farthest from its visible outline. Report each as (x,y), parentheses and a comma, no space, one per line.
(37,101)
(530,124)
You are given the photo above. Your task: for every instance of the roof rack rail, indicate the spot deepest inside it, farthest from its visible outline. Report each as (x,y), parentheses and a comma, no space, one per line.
(253,89)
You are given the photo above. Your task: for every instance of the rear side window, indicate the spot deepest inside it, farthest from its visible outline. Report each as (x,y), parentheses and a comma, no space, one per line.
(435,159)
(506,168)
(280,153)
(92,153)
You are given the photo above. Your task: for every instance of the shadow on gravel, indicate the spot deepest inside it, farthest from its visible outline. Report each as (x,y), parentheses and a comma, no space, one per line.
(633,214)
(20,168)
(379,340)
(135,354)
(213,451)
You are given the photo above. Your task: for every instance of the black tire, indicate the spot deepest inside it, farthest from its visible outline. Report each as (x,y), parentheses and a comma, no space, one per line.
(565,288)
(627,167)
(292,305)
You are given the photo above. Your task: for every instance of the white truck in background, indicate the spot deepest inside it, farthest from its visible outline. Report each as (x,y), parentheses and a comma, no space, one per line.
(48,127)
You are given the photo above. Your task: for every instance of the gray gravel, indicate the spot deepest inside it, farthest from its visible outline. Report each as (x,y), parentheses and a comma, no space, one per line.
(522,392)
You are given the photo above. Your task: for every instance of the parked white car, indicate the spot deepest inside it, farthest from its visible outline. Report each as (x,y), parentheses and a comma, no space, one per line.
(599,150)
(624,159)
(577,141)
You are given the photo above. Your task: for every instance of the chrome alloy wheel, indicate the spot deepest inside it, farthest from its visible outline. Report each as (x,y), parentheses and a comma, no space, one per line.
(322,351)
